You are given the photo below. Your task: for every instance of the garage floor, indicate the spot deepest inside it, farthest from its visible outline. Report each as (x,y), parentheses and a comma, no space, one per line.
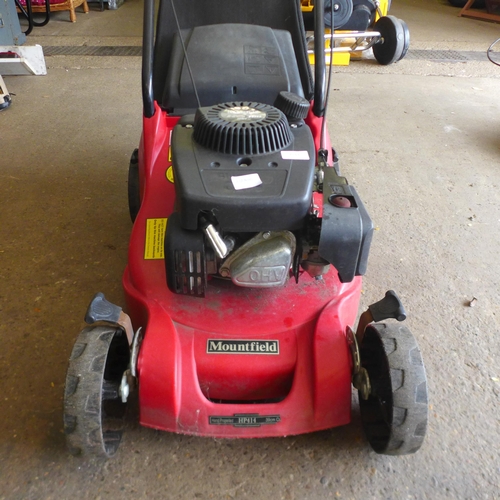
(421,142)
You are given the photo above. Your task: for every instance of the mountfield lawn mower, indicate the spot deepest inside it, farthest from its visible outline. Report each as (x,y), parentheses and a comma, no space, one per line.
(246,254)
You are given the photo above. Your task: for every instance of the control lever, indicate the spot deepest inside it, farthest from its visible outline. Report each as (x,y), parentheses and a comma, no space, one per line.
(101,309)
(389,307)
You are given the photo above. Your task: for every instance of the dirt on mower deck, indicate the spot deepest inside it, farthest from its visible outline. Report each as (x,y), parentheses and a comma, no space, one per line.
(420,142)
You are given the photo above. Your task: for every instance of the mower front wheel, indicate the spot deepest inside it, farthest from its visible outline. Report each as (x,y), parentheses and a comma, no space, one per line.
(394,415)
(93,409)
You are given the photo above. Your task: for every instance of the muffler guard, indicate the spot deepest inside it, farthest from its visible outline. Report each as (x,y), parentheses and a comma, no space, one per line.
(262,262)
(346,228)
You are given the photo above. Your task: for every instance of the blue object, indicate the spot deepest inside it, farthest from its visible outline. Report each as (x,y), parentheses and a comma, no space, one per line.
(10,29)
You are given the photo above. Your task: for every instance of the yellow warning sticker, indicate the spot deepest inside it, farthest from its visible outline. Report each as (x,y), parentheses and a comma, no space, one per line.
(155,236)
(170,174)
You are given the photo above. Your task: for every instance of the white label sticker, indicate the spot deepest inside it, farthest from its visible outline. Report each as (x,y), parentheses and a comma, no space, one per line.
(246,181)
(295,155)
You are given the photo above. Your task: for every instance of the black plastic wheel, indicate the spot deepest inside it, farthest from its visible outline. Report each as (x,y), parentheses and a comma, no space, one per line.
(342,11)
(134,195)
(406,38)
(395,414)
(392,42)
(93,410)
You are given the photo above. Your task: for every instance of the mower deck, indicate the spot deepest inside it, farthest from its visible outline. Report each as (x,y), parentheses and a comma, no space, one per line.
(241,362)
(285,358)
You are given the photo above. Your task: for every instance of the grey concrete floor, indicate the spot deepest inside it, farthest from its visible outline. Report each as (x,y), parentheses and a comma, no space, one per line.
(421,142)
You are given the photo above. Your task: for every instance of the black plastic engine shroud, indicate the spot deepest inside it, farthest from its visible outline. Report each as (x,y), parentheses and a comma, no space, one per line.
(203,183)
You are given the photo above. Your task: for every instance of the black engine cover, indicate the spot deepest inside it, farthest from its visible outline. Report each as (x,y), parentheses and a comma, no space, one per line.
(207,181)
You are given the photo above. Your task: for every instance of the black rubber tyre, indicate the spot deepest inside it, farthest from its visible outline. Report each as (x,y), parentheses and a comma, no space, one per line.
(395,415)
(392,43)
(134,195)
(93,411)
(478,4)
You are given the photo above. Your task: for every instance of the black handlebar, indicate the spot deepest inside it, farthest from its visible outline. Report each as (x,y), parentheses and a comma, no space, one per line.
(148,48)
(147,58)
(319,58)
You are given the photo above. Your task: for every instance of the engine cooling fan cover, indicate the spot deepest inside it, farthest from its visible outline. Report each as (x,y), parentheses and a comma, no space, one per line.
(242,128)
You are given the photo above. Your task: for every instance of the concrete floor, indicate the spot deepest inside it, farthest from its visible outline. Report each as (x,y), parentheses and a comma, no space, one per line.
(421,142)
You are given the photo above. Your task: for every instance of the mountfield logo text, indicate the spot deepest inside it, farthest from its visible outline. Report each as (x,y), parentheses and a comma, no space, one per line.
(216,346)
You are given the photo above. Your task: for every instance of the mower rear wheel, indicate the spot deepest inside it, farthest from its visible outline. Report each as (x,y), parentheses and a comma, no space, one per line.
(394,416)
(390,47)
(93,410)
(134,195)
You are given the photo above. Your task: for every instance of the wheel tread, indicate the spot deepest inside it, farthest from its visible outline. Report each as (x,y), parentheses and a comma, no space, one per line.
(397,378)
(71,385)
(399,415)
(392,34)
(78,350)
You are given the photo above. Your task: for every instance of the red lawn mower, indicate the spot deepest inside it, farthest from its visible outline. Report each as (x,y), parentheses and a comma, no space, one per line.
(246,254)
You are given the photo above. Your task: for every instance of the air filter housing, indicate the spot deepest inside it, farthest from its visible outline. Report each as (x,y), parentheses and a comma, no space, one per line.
(242,128)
